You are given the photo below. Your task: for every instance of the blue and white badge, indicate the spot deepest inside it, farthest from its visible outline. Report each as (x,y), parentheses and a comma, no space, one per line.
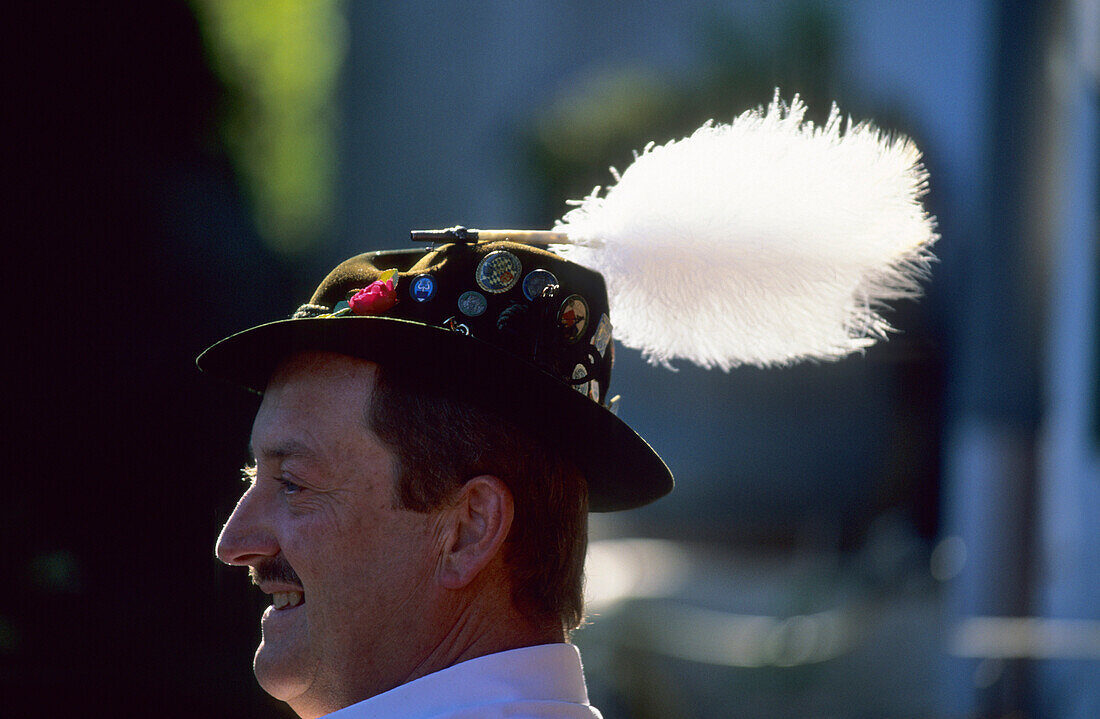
(603,334)
(472,304)
(422,288)
(498,271)
(580,372)
(536,281)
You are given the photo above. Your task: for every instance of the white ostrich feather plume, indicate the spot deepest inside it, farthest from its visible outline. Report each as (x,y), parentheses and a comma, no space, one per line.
(762,242)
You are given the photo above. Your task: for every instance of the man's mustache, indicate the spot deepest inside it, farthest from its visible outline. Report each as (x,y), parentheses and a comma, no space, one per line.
(275,570)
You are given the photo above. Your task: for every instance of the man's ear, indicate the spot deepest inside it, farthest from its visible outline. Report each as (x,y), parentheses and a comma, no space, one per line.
(478,524)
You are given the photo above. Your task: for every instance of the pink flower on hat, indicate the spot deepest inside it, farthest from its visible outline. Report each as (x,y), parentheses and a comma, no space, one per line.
(375,298)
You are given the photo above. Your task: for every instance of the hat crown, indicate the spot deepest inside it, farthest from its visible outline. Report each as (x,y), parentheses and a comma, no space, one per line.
(531,303)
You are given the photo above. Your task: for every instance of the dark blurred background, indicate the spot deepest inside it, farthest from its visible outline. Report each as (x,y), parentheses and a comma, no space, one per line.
(908,533)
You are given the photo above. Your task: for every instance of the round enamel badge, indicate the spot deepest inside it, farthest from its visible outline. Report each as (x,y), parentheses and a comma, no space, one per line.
(422,288)
(573,318)
(472,304)
(498,271)
(536,281)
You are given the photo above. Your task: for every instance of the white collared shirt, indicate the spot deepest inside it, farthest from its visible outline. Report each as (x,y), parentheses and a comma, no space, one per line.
(541,681)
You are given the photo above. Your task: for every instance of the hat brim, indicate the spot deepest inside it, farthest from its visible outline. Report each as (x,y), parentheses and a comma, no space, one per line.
(621,468)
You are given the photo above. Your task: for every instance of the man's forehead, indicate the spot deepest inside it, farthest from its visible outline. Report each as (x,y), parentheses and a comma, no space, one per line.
(311,396)
(283,449)
(322,367)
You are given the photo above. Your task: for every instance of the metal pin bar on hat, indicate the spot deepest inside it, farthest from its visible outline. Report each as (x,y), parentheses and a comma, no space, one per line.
(460,234)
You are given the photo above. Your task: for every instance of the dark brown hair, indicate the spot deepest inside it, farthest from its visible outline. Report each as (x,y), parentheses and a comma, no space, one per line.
(441,439)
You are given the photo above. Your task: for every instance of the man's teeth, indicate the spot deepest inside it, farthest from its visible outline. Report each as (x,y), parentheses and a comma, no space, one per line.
(284,600)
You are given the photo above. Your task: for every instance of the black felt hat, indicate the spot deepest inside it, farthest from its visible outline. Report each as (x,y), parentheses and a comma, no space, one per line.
(520,331)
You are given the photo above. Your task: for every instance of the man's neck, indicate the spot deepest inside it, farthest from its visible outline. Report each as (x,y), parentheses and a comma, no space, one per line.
(475,634)
(472,630)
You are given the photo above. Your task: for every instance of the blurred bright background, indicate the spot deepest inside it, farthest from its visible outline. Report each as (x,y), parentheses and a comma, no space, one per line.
(909,533)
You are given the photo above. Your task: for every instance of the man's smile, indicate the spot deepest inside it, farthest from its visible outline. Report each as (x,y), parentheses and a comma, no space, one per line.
(283,608)
(286,600)
(276,577)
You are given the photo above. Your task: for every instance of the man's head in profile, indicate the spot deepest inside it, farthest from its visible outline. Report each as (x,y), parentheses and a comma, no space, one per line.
(424,462)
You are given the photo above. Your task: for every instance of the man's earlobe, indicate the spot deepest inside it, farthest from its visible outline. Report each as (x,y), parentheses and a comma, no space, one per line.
(479,520)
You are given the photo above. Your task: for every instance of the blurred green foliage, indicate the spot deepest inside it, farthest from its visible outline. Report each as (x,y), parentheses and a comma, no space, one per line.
(55,571)
(280,61)
(606,115)
(9,637)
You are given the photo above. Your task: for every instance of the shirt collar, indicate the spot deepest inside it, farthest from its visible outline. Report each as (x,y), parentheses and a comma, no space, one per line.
(548,672)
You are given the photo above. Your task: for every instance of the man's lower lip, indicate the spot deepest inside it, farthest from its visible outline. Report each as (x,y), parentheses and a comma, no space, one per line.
(271,614)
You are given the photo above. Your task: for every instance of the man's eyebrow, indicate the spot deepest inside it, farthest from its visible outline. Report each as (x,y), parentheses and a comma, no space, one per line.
(283,450)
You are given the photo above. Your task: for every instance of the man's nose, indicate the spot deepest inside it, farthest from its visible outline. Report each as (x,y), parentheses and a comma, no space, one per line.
(246,536)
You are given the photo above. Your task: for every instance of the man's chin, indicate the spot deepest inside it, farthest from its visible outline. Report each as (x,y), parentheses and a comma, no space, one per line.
(279,672)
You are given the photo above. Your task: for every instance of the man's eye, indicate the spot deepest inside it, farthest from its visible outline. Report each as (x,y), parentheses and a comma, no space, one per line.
(289,487)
